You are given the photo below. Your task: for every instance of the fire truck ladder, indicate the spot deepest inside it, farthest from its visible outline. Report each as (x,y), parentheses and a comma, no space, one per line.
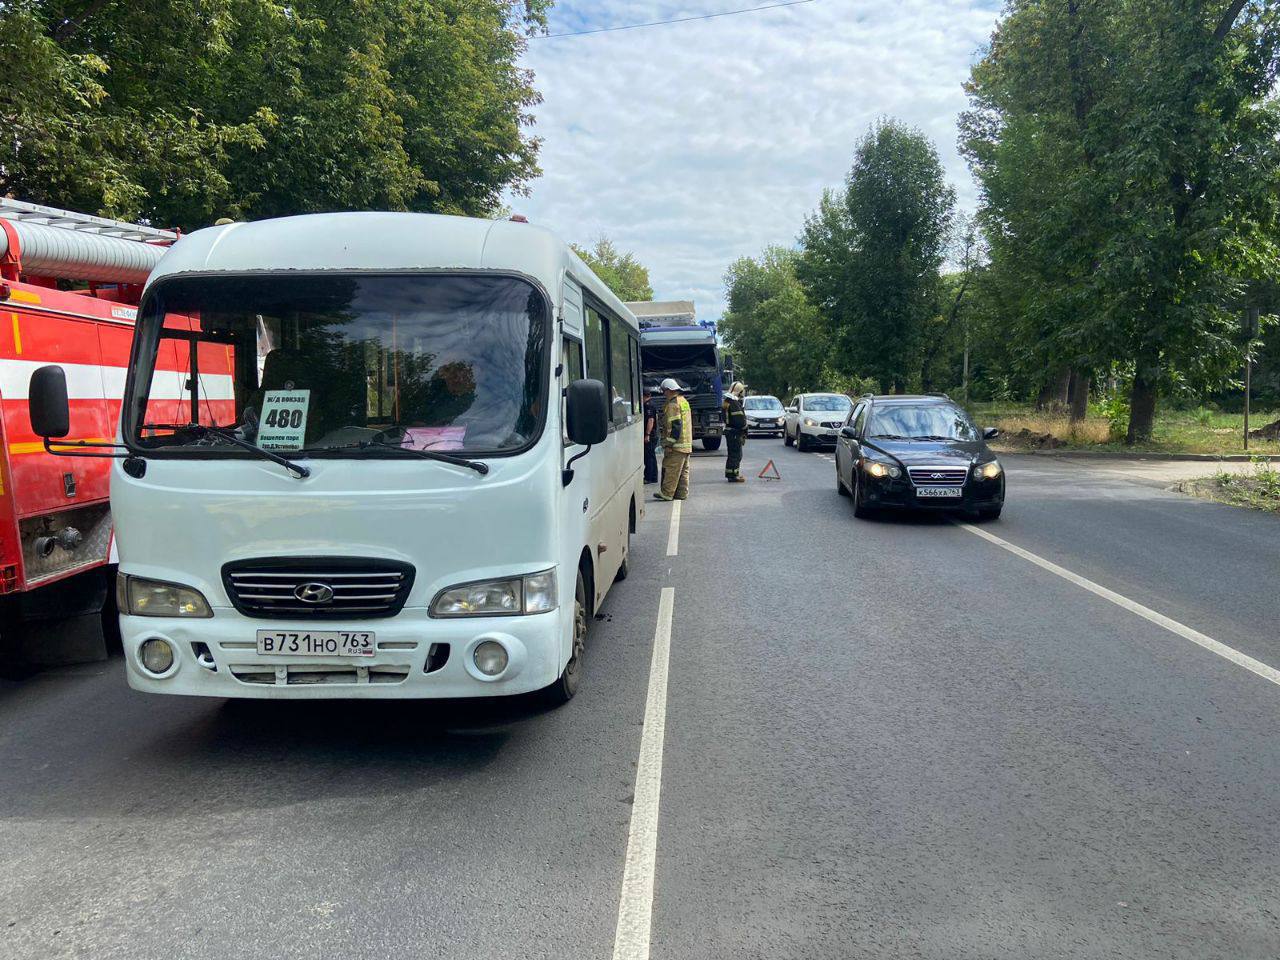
(44,241)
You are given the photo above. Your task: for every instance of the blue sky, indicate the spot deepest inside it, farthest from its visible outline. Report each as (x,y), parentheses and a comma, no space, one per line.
(696,143)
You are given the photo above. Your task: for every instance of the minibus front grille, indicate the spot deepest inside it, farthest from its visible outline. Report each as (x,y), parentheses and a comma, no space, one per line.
(294,675)
(308,588)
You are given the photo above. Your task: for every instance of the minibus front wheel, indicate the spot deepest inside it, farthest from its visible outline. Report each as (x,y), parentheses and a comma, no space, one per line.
(566,686)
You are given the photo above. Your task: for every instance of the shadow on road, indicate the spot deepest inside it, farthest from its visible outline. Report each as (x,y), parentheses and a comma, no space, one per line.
(108,751)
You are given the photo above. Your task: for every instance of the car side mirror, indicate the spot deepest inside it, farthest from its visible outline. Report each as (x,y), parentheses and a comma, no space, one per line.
(47,403)
(587,412)
(990,433)
(849,433)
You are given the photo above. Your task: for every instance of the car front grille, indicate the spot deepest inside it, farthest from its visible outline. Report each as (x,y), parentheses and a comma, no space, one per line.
(832,424)
(291,588)
(938,476)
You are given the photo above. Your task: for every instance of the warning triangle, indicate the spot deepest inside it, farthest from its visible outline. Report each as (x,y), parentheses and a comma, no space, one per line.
(766,475)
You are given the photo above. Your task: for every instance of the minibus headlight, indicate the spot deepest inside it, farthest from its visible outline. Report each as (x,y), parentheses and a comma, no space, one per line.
(534,593)
(540,592)
(140,597)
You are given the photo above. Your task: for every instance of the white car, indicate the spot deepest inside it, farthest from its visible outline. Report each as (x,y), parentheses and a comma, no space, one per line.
(815,419)
(765,416)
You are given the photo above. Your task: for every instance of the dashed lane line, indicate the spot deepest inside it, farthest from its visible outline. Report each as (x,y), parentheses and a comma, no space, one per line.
(673,531)
(635,907)
(1173,626)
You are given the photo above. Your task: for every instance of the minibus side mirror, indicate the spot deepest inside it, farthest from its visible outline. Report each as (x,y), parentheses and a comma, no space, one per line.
(587,412)
(47,403)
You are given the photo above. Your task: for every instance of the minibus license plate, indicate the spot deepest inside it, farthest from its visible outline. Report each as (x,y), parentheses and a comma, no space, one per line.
(938,491)
(316,643)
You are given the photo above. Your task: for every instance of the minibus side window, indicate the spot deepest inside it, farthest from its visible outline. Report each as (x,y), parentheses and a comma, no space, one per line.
(571,357)
(620,371)
(635,374)
(597,351)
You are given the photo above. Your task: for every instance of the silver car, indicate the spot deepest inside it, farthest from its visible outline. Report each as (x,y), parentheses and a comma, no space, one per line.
(765,416)
(815,419)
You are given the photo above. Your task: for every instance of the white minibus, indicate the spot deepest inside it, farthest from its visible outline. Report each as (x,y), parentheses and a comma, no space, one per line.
(369,455)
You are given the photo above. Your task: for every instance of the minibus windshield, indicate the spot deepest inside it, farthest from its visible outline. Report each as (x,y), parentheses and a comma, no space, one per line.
(339,364)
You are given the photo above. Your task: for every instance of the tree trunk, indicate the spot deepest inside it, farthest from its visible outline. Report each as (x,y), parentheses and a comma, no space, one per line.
(1079,391)
(1053,395)
(1142,401)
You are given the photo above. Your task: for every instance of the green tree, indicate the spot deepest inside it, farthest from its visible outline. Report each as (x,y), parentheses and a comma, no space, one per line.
(779,341)
(872,253)
(1128,157)
(180,111)
(621,272)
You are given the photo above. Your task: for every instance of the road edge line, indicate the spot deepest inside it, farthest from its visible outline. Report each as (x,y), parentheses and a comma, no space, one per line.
(635,905)
(673,530)
(1159,619)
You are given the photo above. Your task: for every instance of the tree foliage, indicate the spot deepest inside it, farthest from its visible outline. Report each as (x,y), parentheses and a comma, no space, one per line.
(621,272)
(778,338)
(181,111)
(872,253)
(1129,165)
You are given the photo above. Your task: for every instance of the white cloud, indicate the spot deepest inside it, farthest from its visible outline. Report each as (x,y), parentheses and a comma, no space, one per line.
(696,143)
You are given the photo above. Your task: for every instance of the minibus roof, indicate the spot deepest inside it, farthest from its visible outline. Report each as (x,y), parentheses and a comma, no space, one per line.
(375,242)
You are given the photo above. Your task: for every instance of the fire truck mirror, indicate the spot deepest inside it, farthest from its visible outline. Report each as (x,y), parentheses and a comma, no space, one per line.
(47,400)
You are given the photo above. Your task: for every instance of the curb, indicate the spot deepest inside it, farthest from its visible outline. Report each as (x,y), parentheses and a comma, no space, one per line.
(1154,457)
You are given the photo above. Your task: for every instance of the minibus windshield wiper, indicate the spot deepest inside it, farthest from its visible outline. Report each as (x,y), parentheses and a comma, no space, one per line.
(225,433)
(476,465)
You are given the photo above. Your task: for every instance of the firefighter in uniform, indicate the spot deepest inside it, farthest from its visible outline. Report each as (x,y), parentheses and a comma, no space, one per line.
(677,443)
(735,432)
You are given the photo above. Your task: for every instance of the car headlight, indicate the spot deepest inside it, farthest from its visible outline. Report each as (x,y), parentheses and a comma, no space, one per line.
(876,469)
(140,597)
(781,421)
(809,422)
(988,471)
(508,597)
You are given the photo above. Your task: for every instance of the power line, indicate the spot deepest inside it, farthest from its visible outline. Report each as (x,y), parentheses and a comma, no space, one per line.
(659,23)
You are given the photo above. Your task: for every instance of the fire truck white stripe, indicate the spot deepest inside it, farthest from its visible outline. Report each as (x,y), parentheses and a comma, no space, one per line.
(86,381)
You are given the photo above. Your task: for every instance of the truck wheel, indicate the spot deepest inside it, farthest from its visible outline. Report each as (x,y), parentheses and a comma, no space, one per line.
(562,691)
(710,443)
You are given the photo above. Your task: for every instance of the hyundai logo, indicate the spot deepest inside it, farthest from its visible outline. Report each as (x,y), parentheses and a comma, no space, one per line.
(316,593)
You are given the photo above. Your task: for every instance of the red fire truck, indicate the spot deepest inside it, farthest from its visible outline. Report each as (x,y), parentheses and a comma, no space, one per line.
(69,286)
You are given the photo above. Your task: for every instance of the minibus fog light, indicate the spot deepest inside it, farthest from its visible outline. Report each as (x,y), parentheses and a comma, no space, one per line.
(490,657)
(154,598)
(156,655)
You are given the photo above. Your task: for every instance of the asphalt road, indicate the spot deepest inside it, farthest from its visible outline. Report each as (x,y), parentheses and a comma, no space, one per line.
(886,738)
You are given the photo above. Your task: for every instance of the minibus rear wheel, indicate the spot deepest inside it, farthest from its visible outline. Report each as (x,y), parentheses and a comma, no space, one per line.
(566,686)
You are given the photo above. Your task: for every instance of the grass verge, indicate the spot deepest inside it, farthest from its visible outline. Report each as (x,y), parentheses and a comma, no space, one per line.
(1259,490)
(1201,431)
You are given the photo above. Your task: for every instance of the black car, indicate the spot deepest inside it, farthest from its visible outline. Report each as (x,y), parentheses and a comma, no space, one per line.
(919,452)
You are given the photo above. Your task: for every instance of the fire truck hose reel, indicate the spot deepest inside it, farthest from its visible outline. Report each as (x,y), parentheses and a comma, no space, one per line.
(77,255)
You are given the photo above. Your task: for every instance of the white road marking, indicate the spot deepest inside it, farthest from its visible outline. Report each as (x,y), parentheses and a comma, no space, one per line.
(673,531)
(1173,626)
(635,908)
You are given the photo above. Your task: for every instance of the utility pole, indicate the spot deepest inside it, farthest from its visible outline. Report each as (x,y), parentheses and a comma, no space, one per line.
(965,382)
(1250,331)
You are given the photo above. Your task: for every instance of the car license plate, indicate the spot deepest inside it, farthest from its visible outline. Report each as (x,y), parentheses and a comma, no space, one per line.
(316,643)
(938,492)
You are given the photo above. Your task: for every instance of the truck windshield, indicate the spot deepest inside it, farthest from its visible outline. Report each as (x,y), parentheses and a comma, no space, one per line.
(339,364)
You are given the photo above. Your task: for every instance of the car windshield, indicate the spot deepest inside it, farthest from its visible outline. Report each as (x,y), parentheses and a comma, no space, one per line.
(916,421)
(323,363)
(830,404)
(763,403)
